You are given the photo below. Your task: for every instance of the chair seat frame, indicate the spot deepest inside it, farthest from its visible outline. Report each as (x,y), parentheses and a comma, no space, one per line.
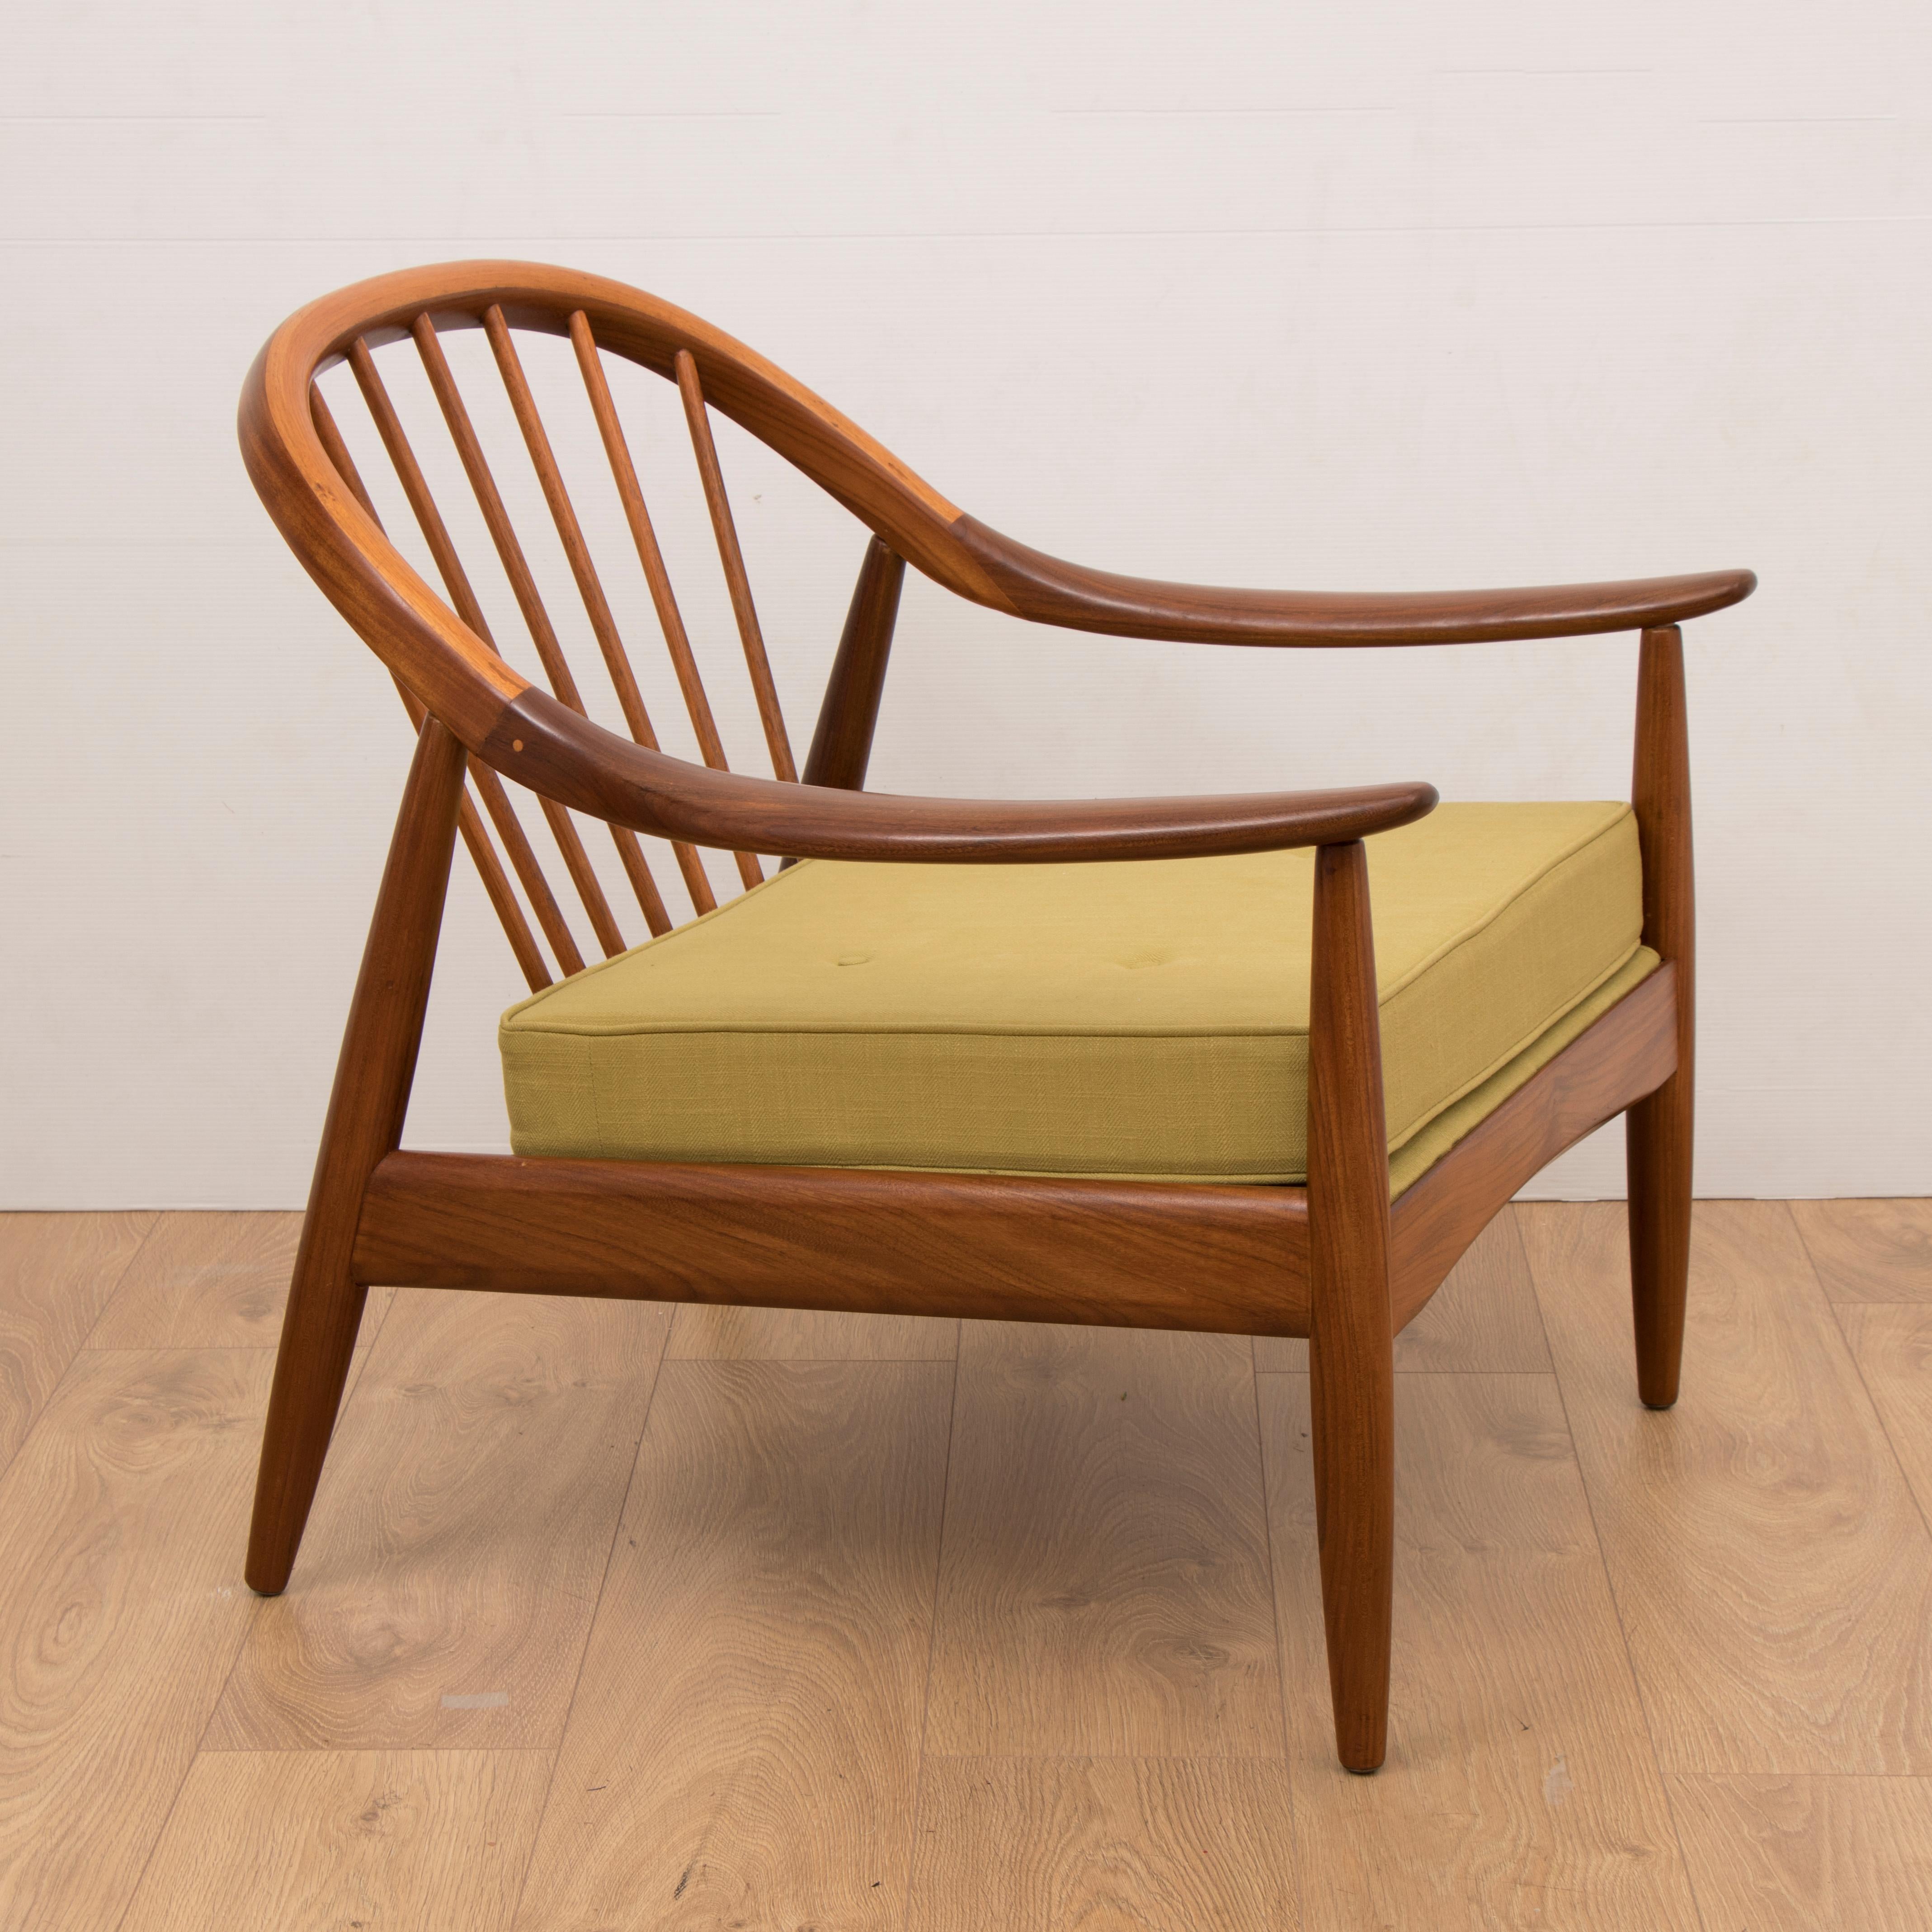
(1335,1261)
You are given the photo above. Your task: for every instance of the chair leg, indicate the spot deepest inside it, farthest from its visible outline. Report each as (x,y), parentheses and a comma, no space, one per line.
(365,1120)
(1352,1401)
(1352,1330)
(1656,1138)
(319,1327)
(1657,1131)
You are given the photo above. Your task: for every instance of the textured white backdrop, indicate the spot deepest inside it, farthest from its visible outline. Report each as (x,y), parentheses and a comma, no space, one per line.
(1374,296)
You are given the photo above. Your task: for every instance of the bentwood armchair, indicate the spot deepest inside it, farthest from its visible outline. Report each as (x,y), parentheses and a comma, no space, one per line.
(1126,1061)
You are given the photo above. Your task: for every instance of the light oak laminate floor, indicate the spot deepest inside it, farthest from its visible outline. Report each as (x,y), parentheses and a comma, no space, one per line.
(617,1616)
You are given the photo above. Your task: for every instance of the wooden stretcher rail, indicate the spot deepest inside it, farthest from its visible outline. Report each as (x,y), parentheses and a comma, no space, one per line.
(1136,1254)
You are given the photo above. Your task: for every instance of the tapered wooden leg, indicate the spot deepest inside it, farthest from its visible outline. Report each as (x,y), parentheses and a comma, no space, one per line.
(1351,1328)
(1657,1130)
(365,1122)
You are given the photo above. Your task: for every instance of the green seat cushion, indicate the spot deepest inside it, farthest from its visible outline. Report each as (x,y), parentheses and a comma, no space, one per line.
(1147,1019)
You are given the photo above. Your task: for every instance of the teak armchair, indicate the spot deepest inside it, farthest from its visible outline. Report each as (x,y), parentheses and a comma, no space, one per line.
(1336,1260)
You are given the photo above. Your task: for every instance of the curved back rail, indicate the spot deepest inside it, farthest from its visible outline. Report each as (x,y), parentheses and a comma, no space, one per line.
(438,645)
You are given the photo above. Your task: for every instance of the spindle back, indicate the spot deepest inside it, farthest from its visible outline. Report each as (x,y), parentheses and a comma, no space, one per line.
(395,331)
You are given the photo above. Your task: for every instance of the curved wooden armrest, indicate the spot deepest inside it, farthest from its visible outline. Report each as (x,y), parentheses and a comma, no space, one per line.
(552,749)
(1048,590)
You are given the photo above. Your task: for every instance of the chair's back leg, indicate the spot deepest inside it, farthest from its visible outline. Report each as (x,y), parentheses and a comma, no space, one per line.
(1351,1324)
(843,742)
(1657,1131)
(365,1122)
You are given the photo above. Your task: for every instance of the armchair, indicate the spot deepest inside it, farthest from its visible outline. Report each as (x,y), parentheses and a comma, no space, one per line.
(1253,1171)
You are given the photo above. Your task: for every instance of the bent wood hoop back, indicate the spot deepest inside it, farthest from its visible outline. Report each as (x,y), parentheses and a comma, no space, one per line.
(440,649)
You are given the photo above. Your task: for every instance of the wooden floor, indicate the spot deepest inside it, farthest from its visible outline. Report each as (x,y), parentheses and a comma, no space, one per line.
(616,1616)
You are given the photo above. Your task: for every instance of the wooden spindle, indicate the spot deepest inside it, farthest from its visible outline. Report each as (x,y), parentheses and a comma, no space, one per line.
(469,822)
(503,897)
(726,532)
(543,634)
(670,619)
(463,595)
(528,869)
(336,451)
(489,869)
(596,605)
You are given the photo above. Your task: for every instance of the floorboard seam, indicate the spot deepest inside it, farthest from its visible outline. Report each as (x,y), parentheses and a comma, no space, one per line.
(932,1628)
(1280,1658)
(120,1281)
(154,1843)
(590,1627)
(214,1704)
(80,1347)
(1884,1430)
(1617,1608)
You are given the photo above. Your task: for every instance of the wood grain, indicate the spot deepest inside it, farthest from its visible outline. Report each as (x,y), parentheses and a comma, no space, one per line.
(320,1841)
(1092,1843)
(1482,1319)
(419,1584)
(1776,1854)
(456,581)
(701,1334)
(921,525)
(536,618)
(637,514)
(1520,1790)
(1161,1254)
(841,745)
(1104,1586)
(205,1281)
(1774,1577)
(498,715)
(1050,590)
(746,1751)
(121,1526)
(1231,1261)
(489,867)
(718,503)
(57,1273)
(216,1281)
(1869,1250)
(597,608)
(755,1679)
(1891,1343)
(566,758)
(1658,1130)
(1352,1320)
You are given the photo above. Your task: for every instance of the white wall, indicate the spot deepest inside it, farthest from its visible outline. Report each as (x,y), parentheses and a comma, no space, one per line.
(1378,296)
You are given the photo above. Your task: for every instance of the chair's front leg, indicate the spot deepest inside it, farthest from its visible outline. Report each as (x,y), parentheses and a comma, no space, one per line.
(365,1122)
(1351,1328)
(1657,1130)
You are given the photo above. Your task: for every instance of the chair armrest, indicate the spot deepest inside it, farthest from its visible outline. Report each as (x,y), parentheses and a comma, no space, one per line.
(1048,590)
(544,745)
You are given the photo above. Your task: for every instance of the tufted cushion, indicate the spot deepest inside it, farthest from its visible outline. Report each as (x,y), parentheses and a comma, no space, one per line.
(1146,1019)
